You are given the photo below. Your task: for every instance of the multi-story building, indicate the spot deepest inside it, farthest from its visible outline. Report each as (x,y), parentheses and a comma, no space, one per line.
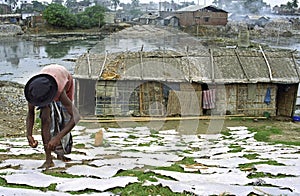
(15,4)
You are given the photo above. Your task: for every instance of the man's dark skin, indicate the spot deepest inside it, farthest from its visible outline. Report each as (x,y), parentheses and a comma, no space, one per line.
(50,144)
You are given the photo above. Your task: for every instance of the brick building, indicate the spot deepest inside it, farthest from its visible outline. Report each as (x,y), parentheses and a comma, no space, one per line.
(199,15)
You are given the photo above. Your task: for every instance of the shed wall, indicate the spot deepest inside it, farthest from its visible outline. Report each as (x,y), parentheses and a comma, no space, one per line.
(149,98)
(251,99)
(202,18)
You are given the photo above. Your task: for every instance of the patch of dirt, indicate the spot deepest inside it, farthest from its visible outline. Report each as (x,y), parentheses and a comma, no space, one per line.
(13,107)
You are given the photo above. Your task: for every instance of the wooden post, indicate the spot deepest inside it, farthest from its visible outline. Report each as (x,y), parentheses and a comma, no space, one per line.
(141,98)
(212,65)
(267,62)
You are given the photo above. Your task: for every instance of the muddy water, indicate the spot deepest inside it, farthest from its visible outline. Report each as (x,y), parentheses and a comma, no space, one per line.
(20,58)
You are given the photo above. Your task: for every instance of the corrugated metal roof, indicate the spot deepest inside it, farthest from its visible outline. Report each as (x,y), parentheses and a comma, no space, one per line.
(191,8)
(194,8)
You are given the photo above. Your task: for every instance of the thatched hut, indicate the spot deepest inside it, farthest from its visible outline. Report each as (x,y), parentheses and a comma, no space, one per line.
(173,74)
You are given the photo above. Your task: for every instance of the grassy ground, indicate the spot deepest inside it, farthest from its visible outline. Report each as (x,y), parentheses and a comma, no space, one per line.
(273,131)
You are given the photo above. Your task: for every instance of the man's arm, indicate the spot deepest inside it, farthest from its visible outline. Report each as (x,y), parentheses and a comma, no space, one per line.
(74,118)
(29,125)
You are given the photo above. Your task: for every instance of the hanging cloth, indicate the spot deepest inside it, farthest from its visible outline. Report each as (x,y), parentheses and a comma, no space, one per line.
(209,99)
(268,96)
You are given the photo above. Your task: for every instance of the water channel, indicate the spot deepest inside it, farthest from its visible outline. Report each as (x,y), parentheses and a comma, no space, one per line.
(21,58)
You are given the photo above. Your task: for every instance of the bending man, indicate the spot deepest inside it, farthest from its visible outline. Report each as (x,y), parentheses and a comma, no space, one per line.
(52,92)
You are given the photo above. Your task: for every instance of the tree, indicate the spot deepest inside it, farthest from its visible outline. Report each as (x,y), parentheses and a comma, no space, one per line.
(58,15)
(115,3)
(135,3)
(289,5)
(295,3)
(91,17)
(38,6)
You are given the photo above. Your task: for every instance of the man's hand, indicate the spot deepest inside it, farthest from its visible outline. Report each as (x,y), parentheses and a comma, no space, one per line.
(33,143)
(53,143)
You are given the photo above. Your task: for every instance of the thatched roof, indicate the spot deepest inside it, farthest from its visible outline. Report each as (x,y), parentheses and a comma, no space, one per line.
(178,63)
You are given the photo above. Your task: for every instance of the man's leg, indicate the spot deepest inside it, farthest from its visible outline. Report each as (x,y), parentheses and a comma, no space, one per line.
(45,115)
(60,122)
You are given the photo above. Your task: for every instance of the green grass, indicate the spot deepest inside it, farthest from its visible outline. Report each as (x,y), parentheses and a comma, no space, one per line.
(252,165)
(226,132)
(145,144)
(139,189)
(132,137)
(142,176)
(176,166)
(263,134)
(60,174)
(3,150)
(79,146)
(251,156)
(293,143)
(263,175)
(235,148)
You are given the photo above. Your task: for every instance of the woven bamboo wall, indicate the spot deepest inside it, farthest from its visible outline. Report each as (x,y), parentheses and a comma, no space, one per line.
(117,98)
(250,99)
(184,99)
(185,103)
(152,102)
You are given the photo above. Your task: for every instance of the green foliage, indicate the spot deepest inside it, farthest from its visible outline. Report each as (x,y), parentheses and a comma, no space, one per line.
(38,6)
(83,21)
(59,16)
(91,17)
(292,4)
(295,3)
